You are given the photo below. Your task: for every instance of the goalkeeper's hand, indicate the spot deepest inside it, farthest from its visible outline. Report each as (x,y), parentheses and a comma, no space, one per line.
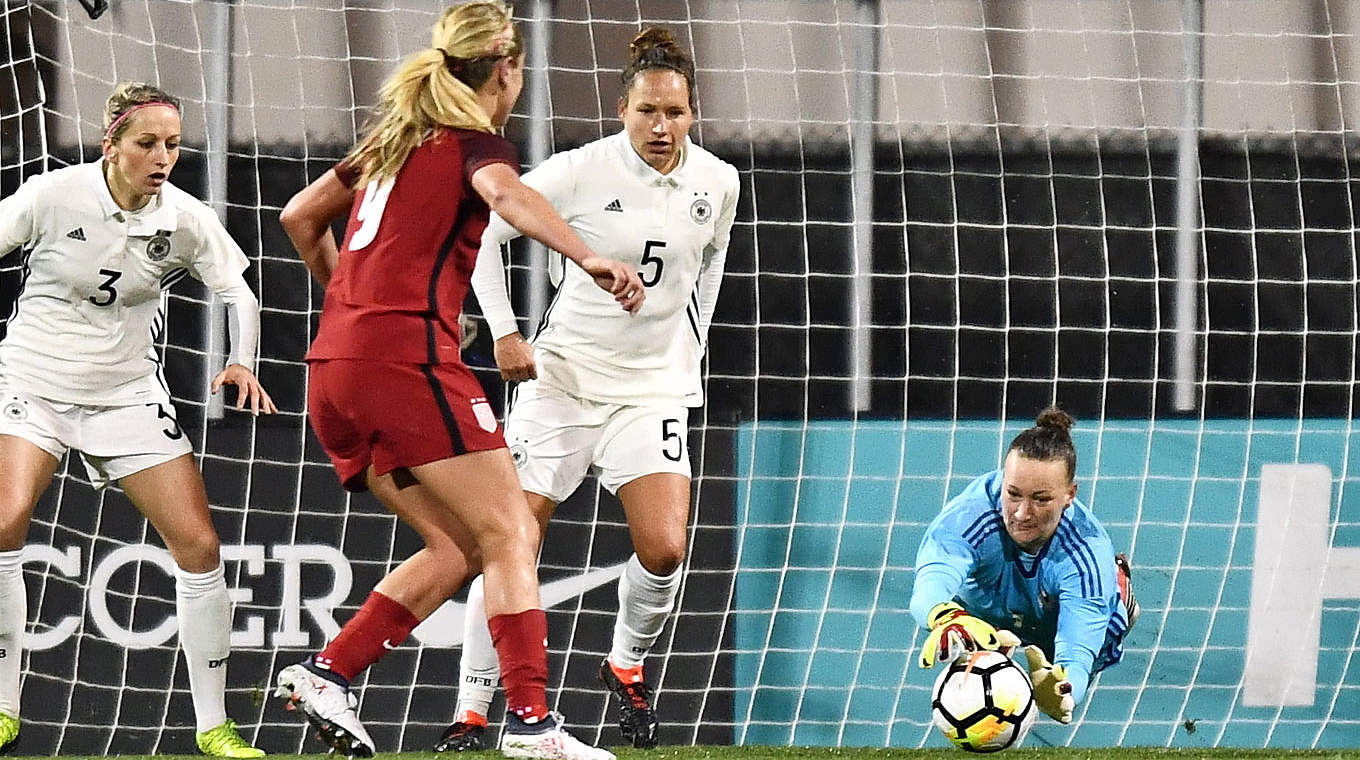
(953,631)
(1052,690)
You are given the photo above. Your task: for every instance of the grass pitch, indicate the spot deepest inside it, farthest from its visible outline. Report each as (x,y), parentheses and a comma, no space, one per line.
(835,753)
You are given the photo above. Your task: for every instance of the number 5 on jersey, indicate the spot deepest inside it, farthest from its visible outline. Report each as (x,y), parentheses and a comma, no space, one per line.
(650,279)
(670,437)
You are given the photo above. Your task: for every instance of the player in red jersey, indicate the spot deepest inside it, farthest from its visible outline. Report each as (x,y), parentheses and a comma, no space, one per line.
(389,397)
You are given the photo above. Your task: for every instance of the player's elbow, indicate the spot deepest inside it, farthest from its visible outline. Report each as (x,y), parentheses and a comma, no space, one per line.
(301,224)
(292,217)
(503,199)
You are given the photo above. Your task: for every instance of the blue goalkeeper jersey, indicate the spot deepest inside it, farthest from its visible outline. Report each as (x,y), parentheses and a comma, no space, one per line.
(1065,599)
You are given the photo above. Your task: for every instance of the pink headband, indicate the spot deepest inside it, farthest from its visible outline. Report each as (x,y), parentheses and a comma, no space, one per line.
(108,134)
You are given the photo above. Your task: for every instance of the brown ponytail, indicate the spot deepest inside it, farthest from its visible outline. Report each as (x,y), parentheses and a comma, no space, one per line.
(1049,439)
(655,48)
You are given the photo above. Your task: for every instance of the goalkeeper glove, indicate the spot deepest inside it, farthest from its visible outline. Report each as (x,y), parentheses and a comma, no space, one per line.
(952,631)
(1052,690)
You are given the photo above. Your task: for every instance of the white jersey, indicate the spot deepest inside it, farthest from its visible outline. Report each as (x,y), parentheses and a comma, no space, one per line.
(674,228)
(84,325)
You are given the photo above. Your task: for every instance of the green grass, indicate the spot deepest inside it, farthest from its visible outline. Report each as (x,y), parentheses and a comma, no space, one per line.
(834,753)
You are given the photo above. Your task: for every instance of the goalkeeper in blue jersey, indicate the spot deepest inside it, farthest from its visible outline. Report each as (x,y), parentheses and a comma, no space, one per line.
(1017,558)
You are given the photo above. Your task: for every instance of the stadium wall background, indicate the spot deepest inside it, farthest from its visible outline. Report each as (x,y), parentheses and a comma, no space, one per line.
(762,375)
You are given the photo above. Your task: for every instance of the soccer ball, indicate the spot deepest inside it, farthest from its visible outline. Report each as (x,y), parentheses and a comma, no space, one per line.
(983,702)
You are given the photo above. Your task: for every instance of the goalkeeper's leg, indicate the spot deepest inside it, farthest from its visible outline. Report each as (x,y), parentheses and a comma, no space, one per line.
(1125,577)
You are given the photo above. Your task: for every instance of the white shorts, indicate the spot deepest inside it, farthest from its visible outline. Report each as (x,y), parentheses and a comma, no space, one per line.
(114,441)
(555,439)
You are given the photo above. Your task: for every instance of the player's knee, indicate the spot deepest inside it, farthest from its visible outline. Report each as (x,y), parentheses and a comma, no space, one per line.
(663,559)
(515,533)
(13,527)
(16,510)
(461,564)
(197,554)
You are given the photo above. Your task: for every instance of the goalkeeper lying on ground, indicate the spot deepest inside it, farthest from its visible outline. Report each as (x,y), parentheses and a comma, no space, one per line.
(1017,558)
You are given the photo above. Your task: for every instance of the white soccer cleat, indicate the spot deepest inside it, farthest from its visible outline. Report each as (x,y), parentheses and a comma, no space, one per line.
(329,707)
(548,740)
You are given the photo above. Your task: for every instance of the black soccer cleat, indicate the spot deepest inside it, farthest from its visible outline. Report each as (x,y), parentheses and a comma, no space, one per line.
(637,719)
(462,737)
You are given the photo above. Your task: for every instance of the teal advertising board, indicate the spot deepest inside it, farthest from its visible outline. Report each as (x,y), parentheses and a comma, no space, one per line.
(830,515)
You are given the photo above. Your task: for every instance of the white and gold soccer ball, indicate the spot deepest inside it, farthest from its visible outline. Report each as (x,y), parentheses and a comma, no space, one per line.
(983,702)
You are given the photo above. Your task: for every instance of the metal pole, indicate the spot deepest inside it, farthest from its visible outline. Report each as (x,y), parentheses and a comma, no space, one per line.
(540,143)
(217,87)
(1187,202)
(864,108)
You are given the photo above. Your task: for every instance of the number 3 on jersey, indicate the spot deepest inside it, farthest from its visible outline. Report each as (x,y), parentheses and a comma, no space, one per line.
(371,212)
(107,293)
(650,279)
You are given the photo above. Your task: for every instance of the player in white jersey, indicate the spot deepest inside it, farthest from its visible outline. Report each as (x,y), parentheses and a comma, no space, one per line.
(79,370)
(611,391)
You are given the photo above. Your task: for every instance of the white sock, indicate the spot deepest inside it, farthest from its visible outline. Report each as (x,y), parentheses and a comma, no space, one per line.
(645,600)
(479,669)
(13,615)
(204,613)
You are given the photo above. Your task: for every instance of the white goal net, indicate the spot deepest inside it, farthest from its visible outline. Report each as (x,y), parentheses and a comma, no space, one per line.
(953,213)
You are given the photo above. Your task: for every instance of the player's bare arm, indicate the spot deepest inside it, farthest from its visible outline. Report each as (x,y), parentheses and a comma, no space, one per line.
(307,219)
(530,213)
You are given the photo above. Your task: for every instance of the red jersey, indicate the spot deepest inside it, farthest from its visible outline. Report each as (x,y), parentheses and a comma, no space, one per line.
(410,246)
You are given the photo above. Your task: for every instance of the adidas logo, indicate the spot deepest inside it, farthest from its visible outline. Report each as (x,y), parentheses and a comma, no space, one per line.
(79,232)
(614,205)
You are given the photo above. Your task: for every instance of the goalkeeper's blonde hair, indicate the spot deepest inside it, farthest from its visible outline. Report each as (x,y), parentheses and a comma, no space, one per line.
(436,87)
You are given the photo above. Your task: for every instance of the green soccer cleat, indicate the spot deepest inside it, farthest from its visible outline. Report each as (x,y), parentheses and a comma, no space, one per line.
(223,741)
(9,732)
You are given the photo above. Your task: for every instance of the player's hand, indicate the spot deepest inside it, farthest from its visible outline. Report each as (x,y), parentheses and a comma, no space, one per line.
(620,279)
(1052,690)
(248,389)
(515,358)
(953,631)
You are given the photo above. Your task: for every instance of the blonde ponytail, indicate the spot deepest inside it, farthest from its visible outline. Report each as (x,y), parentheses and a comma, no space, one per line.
(436,87)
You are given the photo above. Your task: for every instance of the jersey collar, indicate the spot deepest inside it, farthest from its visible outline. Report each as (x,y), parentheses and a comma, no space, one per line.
(644,172)
(147,221)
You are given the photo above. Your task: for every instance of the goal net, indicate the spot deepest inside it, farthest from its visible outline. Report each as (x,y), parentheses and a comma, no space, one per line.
(953,214)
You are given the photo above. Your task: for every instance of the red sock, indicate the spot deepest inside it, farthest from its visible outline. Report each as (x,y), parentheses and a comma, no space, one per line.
(521,641)
(379,625)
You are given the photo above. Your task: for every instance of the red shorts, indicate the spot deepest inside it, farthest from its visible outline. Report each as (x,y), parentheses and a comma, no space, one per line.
(391,415)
